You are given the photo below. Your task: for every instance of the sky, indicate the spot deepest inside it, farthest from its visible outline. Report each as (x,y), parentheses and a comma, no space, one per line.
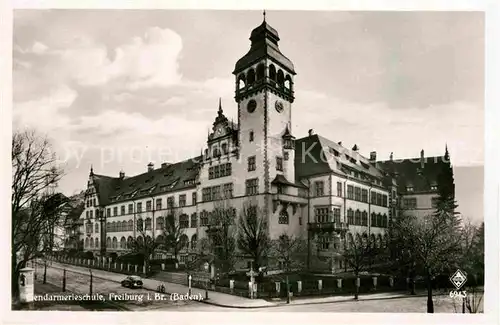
(117,89)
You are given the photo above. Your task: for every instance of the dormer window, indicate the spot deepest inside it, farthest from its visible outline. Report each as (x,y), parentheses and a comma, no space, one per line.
(434,187)
(409,189)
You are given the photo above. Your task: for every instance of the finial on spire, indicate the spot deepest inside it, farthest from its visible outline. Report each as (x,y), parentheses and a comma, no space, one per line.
(220,105)
(91,170)
(264,14)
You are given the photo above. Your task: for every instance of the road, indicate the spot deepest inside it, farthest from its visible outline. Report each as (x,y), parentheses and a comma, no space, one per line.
(132,299)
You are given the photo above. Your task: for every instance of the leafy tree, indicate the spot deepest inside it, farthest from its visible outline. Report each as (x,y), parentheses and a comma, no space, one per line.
(253,236)
(34,208)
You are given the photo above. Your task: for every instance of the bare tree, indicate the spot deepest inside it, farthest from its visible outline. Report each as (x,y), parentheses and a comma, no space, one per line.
(253,234)
(145,246)
(34,209)
(173,232)
(291,252)
(358,253)
(221,235)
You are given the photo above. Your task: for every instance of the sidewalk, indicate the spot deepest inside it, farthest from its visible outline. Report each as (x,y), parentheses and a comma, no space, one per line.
(214,298)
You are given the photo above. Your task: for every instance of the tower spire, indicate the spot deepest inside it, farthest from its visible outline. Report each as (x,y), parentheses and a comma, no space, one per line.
(264,14)
(91,170)
(220,106)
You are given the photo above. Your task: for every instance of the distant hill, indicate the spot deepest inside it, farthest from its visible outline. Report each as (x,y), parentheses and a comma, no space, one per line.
(469,189)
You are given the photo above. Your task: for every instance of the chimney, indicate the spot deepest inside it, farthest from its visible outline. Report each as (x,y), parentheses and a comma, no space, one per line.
(339,143)
(311,132)
(373,156)
(151,167)
(422,159)
(355,148)
(122,174)
(392,156)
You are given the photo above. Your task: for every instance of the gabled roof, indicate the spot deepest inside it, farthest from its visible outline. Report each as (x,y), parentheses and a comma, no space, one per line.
(409,172)
(313,154)
(280,179)
(173,177)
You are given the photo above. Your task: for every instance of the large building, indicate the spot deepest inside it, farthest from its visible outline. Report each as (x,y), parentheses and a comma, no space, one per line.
(309,187)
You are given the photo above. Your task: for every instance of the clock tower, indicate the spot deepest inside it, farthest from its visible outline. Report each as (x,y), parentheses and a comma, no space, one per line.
(264,94)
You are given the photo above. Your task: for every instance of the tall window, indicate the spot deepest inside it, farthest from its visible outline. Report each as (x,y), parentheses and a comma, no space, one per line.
(228,190)
(194,220)
(373,220)
(357,217)
(203,218)
(321,215)
(339,189)
(216,192)
(131,208)
(148,224)
(379,199)
(251,163)
(324,241)
(251,136)
(206,194)
(350,216)
(184,221)
(108,212)
(252,186)
(364,195)
(224,148)
(350,192)
(216,171)
(193,198)
(319,187)
(336,215)
(364,218)
(384,200)
(279,164)
(373,198)
(182,200)
(158,204)
(92,213)
(357,193)
(170,202)
(115,211)
(139,207)
(148,205)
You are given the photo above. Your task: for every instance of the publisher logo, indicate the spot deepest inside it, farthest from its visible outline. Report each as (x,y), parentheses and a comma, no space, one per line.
(458,279)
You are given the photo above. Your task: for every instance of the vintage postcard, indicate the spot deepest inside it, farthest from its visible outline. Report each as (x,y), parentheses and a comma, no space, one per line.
(259,161)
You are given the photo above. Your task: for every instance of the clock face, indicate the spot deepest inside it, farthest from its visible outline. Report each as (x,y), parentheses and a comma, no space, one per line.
(251,106)
(279,106)
(219,130)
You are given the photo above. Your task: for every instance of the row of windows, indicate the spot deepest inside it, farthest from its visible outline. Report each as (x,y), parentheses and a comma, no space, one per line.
(355,218)
(326,240)
(149,205)
(214,192)
(126,243)
(220,171)
(117,226)
(411,203)
(353,193)
(205,217)
(91,202)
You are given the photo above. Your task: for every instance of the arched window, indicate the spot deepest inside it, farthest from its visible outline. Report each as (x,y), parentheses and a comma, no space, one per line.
(113,226)
(130,241)
(96,227)
(118,226)
(130,225)
(97,243)
(115,242)
(124,226)
(184,239)
(288,83)
(194,241)
(139,225)
(373,221)
(108,242)
(260,71)
(87,243)
(283,218)
(280,78)
(379,220)
(148,223)
(357,217)
(184,221)
(194,220)
(91,242)
(108,226)
(272,72)
(384,221)
(241,81)
(250,77)
(123,243)
(350,216)
(159,223)
(224,148)
(216,151)
(364,218)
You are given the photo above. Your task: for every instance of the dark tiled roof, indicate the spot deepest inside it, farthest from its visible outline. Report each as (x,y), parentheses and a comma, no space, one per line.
(264,44)
(280,179)
(410,173)
(173,177)
(316,163)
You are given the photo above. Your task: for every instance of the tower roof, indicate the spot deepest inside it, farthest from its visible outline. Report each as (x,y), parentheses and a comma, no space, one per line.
(264,44)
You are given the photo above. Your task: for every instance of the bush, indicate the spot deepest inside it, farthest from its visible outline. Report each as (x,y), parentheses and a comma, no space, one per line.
(131,258)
